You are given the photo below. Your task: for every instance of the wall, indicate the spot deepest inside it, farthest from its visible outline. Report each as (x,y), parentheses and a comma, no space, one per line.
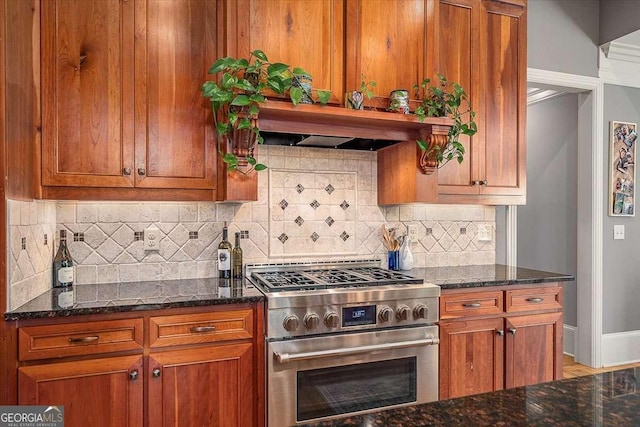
(562,35)
(547,224)
(621,296)
(618,18)
(313,204)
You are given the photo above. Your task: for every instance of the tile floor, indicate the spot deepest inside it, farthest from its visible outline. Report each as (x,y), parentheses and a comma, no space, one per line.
(572,369)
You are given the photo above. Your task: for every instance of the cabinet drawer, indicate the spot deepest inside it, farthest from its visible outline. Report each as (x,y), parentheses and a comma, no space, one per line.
(77,339)
(200,328)
(471,304)
(534,299)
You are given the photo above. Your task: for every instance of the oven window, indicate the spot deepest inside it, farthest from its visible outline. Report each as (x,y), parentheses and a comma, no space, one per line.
(345,389)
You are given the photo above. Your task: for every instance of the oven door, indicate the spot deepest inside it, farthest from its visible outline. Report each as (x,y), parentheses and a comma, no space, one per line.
(328,376)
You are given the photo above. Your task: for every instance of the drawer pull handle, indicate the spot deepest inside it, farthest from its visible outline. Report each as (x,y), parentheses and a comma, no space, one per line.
(535,299)
(500,332)
(133,375)
(200,329)
(471,304)
(512,331)
(84,340)
(156,373)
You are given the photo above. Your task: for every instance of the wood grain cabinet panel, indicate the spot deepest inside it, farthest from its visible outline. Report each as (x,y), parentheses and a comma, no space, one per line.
(97,392)
(533,299)
(302,33)
(207,386)
(122,105)
(87,83)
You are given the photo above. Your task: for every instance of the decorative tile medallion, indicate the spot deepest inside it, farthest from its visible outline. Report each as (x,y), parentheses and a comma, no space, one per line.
(314,236)
(344,236)
(329,221)
(283,204)
(299,220)
(344,205)
(314,204)
(299,188)
(329,189)
(283,238)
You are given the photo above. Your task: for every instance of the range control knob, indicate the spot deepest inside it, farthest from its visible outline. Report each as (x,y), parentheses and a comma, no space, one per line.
(311,321)
(385,314)
(331,319)
(291,323)
(402,313)
(420,311)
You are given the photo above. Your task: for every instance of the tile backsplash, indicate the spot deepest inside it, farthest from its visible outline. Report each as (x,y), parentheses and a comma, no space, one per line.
(313,204)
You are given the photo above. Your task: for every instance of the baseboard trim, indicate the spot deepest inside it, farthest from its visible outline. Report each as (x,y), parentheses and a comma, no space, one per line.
(569,335)
(620,348)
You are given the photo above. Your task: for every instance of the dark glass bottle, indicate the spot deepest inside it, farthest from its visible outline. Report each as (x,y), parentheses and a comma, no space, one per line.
(224,255)
(236,257)
(62,295)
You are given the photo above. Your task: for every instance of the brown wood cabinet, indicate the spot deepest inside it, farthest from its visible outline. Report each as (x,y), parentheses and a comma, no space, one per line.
(496,338)
(171,367)
(121,96)
(489,38)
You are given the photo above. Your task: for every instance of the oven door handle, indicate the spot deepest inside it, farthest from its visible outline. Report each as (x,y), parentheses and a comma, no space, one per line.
(286,357)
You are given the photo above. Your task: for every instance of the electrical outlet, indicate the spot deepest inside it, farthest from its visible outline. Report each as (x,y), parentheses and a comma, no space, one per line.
(484,233)
(412,232)
(618,232)
(152,238)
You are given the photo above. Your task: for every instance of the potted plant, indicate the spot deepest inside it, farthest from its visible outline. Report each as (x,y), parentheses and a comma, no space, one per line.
(236,99)
(445,99)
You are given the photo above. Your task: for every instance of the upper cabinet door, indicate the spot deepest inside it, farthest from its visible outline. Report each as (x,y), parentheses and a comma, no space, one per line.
(454,56)
(505,101)
(302,33)
(175,137)
(87,86)
(386,43)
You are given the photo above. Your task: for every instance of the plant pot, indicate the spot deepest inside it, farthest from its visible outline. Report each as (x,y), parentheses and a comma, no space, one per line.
(354,100)
(399,101)
(304,82)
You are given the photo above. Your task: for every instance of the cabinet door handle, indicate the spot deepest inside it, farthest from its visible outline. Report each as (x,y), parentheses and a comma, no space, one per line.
(483,182)
(84,340)
(200,329)
(512,331)
(535,299)
(133,375)
(126,171)
(141,171)
(471,304)
(500,332)
(156,373)
(475,182)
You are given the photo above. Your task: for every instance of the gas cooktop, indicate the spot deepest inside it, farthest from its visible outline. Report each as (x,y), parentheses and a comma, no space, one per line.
(296,276)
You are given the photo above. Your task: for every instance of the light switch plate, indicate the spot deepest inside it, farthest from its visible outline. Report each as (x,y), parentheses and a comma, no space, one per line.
(618,232)
(484,233)
(152,238)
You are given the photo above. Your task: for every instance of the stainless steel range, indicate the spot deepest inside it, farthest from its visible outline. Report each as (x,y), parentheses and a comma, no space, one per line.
(344,338)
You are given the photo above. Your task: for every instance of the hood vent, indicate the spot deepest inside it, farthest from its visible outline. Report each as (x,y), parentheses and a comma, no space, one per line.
(324,141)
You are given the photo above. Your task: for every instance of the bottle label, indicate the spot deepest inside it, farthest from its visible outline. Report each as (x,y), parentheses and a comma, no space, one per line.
(65,299)
(224,259)
(65,275)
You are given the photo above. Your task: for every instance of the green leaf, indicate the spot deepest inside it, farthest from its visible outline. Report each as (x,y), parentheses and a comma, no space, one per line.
(324,96)
(230,159)
(276,69)
(232,167)
(245,85)
(244,123)
(260,55)
(295,93)
(297,71)
(228,81)
(251,160)
(260,167)
(241,100)
(258,98)
(233,118)
(222,128)
(253,110)
(422,144)
(260,139)
(220,65)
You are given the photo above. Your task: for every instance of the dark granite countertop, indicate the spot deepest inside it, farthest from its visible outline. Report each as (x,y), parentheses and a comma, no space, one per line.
(137,296)
(607,399)
(475,276)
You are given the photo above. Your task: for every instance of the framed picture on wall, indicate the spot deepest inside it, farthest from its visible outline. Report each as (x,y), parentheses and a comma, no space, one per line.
(622,175)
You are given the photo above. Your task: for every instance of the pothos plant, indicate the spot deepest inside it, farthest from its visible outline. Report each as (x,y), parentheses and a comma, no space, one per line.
(446,99)
(236,98)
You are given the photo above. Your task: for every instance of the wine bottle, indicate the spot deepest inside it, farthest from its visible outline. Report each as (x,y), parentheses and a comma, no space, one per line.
(236,257)
(63,295)
(224,255)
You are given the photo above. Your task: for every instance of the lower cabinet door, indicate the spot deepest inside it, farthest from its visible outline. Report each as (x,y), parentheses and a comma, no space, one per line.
(534,349)
(205,386)
(471,357)
(98,392)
